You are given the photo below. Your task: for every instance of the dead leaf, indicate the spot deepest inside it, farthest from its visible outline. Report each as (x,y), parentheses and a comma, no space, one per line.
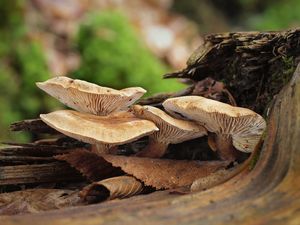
(157,173)
(35,200)
(164,173)
(209,181)
(112,188)
(90,165)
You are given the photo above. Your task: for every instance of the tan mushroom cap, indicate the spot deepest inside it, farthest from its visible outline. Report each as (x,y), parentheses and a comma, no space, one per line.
(171,130)
(242,125)
(88,97)
(115,129)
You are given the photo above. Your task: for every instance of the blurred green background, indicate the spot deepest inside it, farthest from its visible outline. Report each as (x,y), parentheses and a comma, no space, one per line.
(107,44)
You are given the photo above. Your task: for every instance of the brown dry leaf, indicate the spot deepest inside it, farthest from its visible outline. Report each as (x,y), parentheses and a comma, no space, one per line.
(35,200)
(165,173)
(112,188)
(158,173)
(90,165)
(209,181)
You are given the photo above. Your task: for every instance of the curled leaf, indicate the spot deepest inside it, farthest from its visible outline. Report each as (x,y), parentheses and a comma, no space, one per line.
(112,188)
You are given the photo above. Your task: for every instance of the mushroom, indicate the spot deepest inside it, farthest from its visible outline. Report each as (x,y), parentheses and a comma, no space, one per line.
(88,97)
(103,131)
(232,128)
(171,130)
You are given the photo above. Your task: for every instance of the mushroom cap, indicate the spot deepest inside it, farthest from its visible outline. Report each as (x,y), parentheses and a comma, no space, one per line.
(88,97)
(244,126)
(171,130)
(115,129)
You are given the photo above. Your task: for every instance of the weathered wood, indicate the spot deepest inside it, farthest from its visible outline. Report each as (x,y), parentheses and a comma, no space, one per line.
(37,173)
(253,65)
(38,199)
(43,147)
(38,151)
(34,126)
(268,194)
(24,159)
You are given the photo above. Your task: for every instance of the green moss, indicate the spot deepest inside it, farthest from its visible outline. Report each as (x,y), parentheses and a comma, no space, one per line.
(288,68)
(257,153)
(22,63)
(254,161)
(20,98)
(8,110)
(11,13)
(112,55)
(31,67)
(282,74)
(278,15)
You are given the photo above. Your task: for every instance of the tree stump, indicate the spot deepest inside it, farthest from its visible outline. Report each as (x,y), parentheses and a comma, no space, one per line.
(267,194)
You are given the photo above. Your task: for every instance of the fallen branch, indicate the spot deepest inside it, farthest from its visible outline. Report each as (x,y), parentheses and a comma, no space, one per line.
(39,173)
(33,126)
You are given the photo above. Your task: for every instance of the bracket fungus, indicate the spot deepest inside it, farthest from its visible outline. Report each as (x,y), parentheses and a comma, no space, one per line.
(171,130)
(232,128)
(103,131)
(88,97)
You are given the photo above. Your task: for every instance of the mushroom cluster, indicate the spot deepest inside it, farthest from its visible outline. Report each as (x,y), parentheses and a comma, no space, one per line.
(106,118)
(230,128)
(102,117)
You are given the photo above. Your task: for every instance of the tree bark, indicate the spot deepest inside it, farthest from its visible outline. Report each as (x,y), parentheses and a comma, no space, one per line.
(254,66)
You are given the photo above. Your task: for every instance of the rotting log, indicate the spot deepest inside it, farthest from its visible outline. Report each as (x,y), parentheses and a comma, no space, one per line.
(33,125)
(268,194)
(254,66)
(37,173)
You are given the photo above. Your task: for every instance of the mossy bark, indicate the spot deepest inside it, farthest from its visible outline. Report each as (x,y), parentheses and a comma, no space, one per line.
(254,66)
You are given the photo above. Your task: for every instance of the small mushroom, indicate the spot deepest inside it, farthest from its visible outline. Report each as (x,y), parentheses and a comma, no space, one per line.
(232,127)
(88,97)
(103,131)
(171,130)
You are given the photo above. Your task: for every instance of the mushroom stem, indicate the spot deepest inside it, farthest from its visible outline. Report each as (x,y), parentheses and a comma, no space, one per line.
(225,148)
(230,97)
(211,142)
(101,148)
(154,149)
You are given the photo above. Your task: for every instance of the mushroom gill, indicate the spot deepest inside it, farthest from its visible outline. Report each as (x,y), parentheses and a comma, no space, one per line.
(171,130)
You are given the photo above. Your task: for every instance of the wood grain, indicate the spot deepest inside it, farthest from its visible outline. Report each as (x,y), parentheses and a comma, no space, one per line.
(34,126)
(37,173)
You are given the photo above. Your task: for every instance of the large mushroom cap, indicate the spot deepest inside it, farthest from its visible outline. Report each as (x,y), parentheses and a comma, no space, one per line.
(88,97)
(242,125)
(115,129)
(171,130)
